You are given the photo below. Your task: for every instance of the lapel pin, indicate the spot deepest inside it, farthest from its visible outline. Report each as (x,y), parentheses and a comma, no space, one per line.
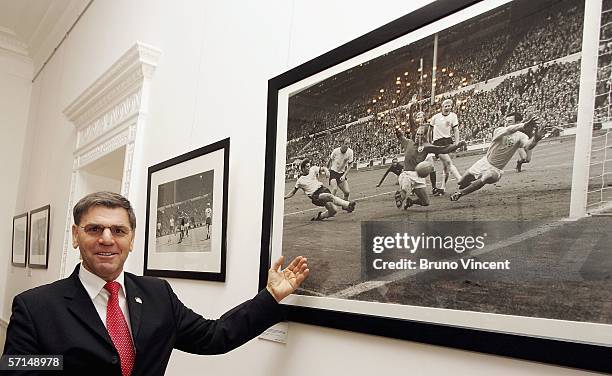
(138,300)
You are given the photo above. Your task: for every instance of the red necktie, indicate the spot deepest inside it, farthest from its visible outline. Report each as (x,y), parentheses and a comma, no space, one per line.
(118,329)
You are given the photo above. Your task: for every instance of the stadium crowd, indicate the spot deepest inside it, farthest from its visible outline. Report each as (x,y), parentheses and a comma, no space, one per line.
(295,146)
(603,112)
(539,83)
(469,62)
(549,90)
(546,36)
(190,211)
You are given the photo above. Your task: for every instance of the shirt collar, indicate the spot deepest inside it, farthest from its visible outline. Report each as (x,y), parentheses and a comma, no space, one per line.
(94,284)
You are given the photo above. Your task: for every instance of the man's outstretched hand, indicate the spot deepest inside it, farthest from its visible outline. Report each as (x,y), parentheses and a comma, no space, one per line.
(532,120)
(282,283)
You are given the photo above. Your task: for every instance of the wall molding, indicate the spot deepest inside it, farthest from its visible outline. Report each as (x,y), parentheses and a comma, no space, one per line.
(55,26)
(114,93)
(108,115)
(10,42)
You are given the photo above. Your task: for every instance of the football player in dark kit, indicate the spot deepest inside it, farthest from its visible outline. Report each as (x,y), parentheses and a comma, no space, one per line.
(416,152)
(395,168)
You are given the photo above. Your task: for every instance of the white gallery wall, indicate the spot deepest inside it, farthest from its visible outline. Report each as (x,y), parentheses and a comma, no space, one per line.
(15,90)
(210,83)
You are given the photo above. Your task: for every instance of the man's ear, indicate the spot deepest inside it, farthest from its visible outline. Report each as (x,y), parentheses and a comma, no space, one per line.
(75,238)
(132,241)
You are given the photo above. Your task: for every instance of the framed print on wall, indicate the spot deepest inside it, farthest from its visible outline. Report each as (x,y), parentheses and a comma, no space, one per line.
(185,233)
(38,250)
(506,248)
(20,240)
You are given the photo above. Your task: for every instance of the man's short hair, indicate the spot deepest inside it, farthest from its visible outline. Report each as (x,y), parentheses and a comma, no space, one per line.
(448,100)
(107,199)
(303,163)
(517,116)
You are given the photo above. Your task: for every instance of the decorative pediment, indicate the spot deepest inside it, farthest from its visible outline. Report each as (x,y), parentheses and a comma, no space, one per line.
(113,99)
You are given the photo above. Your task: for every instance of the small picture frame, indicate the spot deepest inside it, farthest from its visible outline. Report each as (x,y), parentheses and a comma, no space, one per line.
(185,230)
(38,250)
(20,240)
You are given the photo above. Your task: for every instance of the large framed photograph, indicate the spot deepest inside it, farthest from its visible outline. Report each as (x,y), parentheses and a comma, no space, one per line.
(185,230)
(449,178)
(38,250)
(20,240)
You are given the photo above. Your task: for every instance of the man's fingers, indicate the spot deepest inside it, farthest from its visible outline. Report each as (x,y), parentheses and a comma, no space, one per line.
(299,268)
(295,262)
(301,277)
(278,263)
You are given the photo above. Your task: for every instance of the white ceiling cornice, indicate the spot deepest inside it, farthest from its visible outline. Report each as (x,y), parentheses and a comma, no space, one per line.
(54,25)
(10,42)
(34,29)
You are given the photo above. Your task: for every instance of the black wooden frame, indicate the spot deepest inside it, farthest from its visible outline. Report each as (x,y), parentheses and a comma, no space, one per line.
(46,208)
(208,276)
(25,257)
(564,353)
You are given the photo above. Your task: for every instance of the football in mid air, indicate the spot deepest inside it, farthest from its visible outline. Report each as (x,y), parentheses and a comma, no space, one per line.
(424,168)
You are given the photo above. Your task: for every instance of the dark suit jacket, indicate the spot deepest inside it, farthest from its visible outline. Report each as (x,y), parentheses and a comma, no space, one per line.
(60,318)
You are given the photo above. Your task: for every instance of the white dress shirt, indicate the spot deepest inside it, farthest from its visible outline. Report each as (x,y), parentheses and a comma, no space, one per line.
(94,286)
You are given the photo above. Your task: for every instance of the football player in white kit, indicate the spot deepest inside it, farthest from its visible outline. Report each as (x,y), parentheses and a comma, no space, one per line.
(339,164)
(208,219)
(506,141)
(445,125)
(172,231)
(317,192)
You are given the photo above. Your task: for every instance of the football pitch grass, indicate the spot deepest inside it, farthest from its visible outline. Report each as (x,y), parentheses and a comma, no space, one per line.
(559,269)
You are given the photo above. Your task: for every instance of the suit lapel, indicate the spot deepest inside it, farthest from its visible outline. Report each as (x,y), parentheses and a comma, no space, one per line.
(81,306)
(135,303)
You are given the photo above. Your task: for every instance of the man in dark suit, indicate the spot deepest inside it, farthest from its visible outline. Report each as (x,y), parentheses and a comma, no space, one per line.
(107,321)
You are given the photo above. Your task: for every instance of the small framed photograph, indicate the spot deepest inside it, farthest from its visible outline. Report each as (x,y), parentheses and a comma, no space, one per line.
(39,237)
(20,239)
(185,230)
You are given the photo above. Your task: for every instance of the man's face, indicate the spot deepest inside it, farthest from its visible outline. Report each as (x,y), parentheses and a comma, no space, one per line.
(421,132)
(344,146)
(510,120)
(394,162)
(447,106)
(419,118)
(103,254)
(306,169)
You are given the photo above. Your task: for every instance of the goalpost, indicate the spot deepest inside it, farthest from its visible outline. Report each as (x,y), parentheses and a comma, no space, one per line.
(586,104)
(599,194)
